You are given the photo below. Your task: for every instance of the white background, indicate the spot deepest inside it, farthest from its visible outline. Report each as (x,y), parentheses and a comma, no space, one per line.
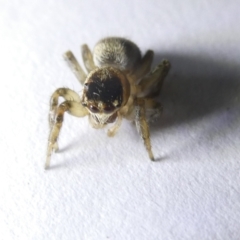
(107,188)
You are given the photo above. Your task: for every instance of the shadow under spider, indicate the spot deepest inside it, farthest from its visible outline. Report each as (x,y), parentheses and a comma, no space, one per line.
(195,87)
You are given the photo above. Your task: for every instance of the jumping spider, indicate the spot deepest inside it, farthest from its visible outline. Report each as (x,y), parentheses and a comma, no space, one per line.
(119,84)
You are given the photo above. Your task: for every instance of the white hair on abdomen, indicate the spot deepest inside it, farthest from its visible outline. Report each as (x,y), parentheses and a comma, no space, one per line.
(116,52)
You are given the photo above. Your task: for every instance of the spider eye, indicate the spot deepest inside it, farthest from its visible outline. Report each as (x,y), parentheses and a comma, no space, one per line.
(108,109)
(93,109)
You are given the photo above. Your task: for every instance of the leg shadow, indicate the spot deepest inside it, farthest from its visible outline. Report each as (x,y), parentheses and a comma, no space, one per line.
(195,87)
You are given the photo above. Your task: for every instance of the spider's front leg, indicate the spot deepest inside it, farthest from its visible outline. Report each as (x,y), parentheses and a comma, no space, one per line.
(142,125)
(72,105)
(67,94)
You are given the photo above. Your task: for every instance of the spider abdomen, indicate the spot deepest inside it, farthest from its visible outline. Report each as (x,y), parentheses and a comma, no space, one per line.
(116,52)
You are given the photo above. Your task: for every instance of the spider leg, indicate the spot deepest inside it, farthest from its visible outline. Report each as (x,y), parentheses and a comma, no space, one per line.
(150,86)
(142,125)
(87,58)
(144,67)
(153,109)
(75,66)
(72,105)
(67,94)
(114,129)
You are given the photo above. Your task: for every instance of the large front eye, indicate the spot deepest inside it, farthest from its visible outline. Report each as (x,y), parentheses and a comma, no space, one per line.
(108,109)
(93,109)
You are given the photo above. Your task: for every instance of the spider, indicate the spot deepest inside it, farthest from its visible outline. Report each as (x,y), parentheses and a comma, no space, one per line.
(119,84)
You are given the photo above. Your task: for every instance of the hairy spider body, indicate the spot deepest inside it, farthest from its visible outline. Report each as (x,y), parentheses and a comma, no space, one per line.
(119,84)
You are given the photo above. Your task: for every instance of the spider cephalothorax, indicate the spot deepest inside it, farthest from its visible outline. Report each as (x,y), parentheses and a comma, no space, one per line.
(105,91)
(119,84)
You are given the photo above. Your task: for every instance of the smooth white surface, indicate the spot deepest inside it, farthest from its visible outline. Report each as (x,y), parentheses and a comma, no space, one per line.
(106,188)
